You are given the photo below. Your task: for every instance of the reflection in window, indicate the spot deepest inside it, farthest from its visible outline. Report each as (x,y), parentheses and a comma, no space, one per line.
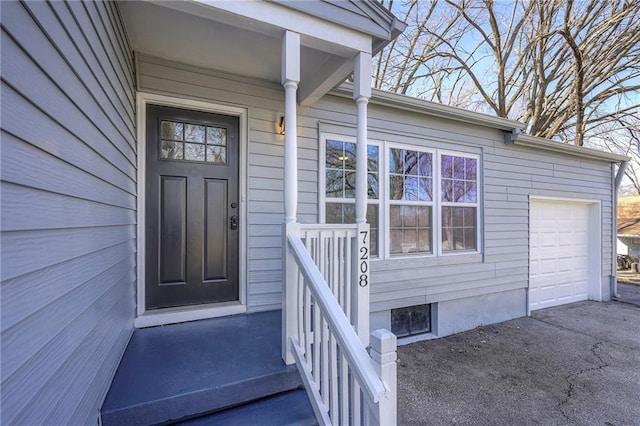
(411,320)
(411,200)
(459,195)
(192,142)
(340,182)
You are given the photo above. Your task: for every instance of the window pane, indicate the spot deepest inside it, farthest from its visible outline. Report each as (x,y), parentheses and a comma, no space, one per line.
(194,152)
(426,164)
(411,189)
(172,130)
(395,160)
(458,168)
(334,154)
(194,133)
(410,228)
(459,228)
(335,183)
(350,184)
(171,150)
(446,190)
(216,136)
(396,187)
(372,158)
(446,166)
(471,168)
(216,154)
(411,320)
(372,186)
(349,157)
(411,163)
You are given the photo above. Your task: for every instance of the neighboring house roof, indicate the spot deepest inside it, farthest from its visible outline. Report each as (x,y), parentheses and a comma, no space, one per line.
(629,216)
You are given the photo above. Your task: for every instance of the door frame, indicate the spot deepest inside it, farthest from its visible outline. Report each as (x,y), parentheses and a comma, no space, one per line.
(594,249)
(188,313)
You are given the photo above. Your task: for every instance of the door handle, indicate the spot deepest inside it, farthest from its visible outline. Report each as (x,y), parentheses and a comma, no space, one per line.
(234,222)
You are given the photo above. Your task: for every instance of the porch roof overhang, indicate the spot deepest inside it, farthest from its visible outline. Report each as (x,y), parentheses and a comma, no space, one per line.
(244,38)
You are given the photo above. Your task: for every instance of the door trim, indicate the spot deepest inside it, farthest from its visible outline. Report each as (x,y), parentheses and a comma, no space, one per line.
(187,313)
(594,255)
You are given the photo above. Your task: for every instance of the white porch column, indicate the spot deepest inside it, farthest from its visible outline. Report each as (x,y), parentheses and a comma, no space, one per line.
(360,284)
(290,80)
(361,94)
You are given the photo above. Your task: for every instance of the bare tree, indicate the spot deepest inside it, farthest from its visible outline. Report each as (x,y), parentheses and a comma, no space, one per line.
(562,68)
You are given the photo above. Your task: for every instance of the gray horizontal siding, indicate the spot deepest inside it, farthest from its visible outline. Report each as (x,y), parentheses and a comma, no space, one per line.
(68,183)
(510,176)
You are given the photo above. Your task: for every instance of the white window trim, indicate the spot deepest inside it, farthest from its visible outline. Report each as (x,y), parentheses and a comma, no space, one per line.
(477,205)
(384,237)
(388,202)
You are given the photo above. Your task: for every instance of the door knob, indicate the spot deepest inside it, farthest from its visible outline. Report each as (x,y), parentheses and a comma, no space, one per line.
(234,222)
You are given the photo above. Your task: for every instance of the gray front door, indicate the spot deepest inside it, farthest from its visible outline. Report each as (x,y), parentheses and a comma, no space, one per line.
(192,208)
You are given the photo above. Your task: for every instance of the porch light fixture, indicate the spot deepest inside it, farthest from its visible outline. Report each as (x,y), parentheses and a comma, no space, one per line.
(280,125)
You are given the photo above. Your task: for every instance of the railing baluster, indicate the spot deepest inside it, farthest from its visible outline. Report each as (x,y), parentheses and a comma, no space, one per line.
(357,404)
(333,377)
(316,342)
(324,381)
(307,325)
(344,391)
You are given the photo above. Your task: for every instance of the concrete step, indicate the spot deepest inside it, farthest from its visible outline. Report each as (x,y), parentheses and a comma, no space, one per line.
(289,408)
(186,370)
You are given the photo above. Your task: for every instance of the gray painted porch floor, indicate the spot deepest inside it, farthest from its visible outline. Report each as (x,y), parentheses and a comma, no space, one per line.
(180,371)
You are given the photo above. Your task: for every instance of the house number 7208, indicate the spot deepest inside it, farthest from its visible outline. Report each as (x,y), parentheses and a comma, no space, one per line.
(363,281)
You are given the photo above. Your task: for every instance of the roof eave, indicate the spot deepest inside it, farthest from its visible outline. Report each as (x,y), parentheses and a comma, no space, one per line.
(564,148)
(408,103)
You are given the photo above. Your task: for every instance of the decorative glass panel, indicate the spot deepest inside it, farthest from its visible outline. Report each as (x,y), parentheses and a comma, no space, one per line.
(194,152)
(216,136)
(171,150)
(172,130)
(216,154)
(193,142)
(194,133)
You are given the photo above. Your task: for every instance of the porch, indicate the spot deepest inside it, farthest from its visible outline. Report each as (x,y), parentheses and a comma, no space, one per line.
(225,370)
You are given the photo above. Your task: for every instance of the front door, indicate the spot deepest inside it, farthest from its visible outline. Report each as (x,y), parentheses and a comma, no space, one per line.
(192,208)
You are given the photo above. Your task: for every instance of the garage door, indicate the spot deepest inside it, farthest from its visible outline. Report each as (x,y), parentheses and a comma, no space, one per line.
(559,248)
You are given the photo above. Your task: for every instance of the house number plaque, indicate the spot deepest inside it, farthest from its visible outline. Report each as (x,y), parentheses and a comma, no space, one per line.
(364,259)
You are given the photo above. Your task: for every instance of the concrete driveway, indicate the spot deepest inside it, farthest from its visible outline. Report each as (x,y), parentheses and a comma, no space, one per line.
(577,364)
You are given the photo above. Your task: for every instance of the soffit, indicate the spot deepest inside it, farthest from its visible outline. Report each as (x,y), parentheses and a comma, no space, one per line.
(244,38)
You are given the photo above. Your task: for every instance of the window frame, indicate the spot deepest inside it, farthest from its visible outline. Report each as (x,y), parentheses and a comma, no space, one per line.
(322,184)
(441,203)
(384,203)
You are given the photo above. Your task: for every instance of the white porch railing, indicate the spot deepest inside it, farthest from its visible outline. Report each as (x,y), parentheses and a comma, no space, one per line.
(326,301)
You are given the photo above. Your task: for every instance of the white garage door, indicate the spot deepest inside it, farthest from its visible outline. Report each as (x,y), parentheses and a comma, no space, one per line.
(559,248)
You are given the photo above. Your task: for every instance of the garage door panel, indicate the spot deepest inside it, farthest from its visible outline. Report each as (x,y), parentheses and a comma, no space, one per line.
(559,242)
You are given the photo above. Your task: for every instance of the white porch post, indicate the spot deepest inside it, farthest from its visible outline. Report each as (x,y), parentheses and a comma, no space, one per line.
(290,80)
(361,94)
(360,286)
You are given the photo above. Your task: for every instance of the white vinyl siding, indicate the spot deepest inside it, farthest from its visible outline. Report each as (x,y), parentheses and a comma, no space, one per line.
(68,208)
